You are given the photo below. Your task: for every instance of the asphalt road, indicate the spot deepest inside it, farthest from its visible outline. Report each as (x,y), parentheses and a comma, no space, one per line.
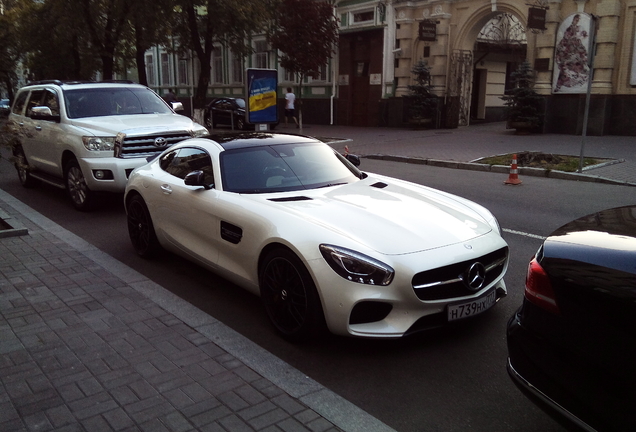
(447,380)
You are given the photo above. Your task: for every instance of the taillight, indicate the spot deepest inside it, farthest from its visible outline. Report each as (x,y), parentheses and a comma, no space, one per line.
(539,289)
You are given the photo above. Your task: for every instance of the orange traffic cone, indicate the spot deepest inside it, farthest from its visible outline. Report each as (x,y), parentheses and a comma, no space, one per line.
(513,178)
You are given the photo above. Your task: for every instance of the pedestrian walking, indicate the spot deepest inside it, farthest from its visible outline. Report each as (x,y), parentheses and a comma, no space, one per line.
(290,111)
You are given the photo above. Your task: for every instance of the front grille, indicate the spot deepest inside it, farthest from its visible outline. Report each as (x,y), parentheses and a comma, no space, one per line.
(447,282)
(144,146)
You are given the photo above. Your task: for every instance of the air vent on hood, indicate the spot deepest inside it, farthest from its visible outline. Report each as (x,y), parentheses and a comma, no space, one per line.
(295,198)
(379,185)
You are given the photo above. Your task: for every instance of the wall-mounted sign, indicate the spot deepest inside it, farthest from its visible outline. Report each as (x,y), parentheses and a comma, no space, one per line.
(571,55)
(427,30)
(343,79)
(542,64)
(375,79)
(261,94)
(536,18)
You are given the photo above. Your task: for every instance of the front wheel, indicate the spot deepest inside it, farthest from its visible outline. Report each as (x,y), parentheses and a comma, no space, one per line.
(140,228)
(290,297)
(76,186)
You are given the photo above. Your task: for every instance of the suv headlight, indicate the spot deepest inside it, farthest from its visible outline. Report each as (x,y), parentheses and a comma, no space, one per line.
(93,143)
(197,133)
(357,267)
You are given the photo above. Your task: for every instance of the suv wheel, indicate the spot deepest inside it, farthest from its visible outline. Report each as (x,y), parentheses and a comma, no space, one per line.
(76,186)
(240,124)
(22,167)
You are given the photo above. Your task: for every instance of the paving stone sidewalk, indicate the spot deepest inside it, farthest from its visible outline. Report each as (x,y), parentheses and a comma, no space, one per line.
(84,348)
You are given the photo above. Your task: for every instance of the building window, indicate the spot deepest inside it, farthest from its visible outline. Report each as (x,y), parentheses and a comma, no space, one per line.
(289,76)
(262,55)
(165,69)
(363,17)
(237,68)
(183,72)
(322,73)
(150,70)
(217,65)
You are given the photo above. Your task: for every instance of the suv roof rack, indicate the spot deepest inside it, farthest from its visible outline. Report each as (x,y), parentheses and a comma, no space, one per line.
(72,82)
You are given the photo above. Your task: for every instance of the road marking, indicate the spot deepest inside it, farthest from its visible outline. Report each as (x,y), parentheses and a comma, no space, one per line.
(523,234)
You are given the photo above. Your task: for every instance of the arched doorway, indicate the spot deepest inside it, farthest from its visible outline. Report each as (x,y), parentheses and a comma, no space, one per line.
(488,52)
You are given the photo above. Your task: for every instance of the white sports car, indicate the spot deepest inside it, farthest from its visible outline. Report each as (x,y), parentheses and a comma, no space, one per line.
(292,220)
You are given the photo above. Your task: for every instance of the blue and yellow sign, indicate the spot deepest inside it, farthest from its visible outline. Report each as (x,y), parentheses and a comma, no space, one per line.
(261,94)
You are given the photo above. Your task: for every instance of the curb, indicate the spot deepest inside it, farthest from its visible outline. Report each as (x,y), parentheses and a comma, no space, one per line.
(528,171)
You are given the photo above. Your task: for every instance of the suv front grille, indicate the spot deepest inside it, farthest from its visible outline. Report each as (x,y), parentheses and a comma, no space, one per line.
(448,282)
(145,145)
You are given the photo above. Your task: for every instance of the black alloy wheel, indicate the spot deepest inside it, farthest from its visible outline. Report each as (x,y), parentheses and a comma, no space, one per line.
(240,123)
(140,228)
(208,121)
(76,186)
(290,297)
(22,167)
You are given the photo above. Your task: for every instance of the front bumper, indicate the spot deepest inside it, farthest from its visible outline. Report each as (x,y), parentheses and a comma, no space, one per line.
(120,170)
(397,309)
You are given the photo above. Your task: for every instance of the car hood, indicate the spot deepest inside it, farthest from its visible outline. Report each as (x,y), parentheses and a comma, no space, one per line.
(136,124)
(389,217)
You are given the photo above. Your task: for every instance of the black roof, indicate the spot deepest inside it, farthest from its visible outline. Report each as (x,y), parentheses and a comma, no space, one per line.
(237,140)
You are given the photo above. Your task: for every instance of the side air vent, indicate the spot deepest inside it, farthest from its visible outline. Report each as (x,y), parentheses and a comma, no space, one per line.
(231,233)
(288,199)
(379,185)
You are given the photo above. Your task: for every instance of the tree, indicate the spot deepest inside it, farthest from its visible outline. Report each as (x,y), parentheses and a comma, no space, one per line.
(106,21)
(202,24)
(9,53)
(306,33)
(423,102)
(524,104)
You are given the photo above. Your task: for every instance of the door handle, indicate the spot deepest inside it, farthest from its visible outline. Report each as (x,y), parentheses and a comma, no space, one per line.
(38,128)
(166,189)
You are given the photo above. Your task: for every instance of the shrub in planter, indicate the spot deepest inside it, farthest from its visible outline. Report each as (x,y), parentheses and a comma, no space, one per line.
(422,101)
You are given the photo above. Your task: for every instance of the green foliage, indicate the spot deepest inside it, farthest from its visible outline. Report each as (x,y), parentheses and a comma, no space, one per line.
(306,34)
(522,102)
(422,101)
(9,53)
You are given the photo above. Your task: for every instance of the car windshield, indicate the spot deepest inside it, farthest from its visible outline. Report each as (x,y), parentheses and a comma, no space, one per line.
(98,102)
(284,167)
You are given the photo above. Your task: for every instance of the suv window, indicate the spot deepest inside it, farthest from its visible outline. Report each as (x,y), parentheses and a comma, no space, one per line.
(97,102)
(18,106)
(34,100)
(50,100)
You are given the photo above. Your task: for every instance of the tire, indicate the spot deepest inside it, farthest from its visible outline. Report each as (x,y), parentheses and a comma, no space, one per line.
(289,296)
(141,229)
(76,187)
(22,167)
(208,121)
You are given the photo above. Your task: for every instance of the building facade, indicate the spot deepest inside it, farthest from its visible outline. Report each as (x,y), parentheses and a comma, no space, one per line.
(471,46)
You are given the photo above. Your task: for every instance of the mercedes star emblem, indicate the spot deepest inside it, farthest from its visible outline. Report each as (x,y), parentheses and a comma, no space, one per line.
(475,276)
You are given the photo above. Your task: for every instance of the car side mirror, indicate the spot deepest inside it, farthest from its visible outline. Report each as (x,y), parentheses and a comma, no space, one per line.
(43,113)
(197,178)
(354,159)
(177,106)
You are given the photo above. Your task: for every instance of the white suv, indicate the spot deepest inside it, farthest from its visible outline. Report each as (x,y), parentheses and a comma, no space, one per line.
(89,136)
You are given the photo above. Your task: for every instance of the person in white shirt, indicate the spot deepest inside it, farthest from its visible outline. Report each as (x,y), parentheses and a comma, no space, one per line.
(289,106)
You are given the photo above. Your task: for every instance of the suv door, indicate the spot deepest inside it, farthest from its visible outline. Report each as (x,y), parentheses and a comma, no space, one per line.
(46,154)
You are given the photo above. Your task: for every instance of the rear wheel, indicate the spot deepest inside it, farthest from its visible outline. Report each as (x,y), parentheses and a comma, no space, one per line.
(240,123)
(290,297)
(22,167)
(76,186)
(140,228)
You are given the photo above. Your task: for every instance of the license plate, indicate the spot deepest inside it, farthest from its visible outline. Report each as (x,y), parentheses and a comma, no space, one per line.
(471,308)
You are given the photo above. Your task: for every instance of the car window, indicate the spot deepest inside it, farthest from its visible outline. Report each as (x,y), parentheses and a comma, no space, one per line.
(97,102)
(284,167)
(20,101)
(34,100)
(183,161)
(50,100)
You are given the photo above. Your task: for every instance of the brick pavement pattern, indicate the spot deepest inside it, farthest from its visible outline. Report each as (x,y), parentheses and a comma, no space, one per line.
(80,350)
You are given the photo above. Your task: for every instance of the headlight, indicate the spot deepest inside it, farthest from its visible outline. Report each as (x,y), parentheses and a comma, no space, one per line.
(197,133)
(495,224)
(357,267)
(98,143)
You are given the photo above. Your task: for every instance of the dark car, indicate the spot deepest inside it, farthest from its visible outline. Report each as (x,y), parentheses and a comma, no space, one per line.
(5,107)
(572,344)
(227,111)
